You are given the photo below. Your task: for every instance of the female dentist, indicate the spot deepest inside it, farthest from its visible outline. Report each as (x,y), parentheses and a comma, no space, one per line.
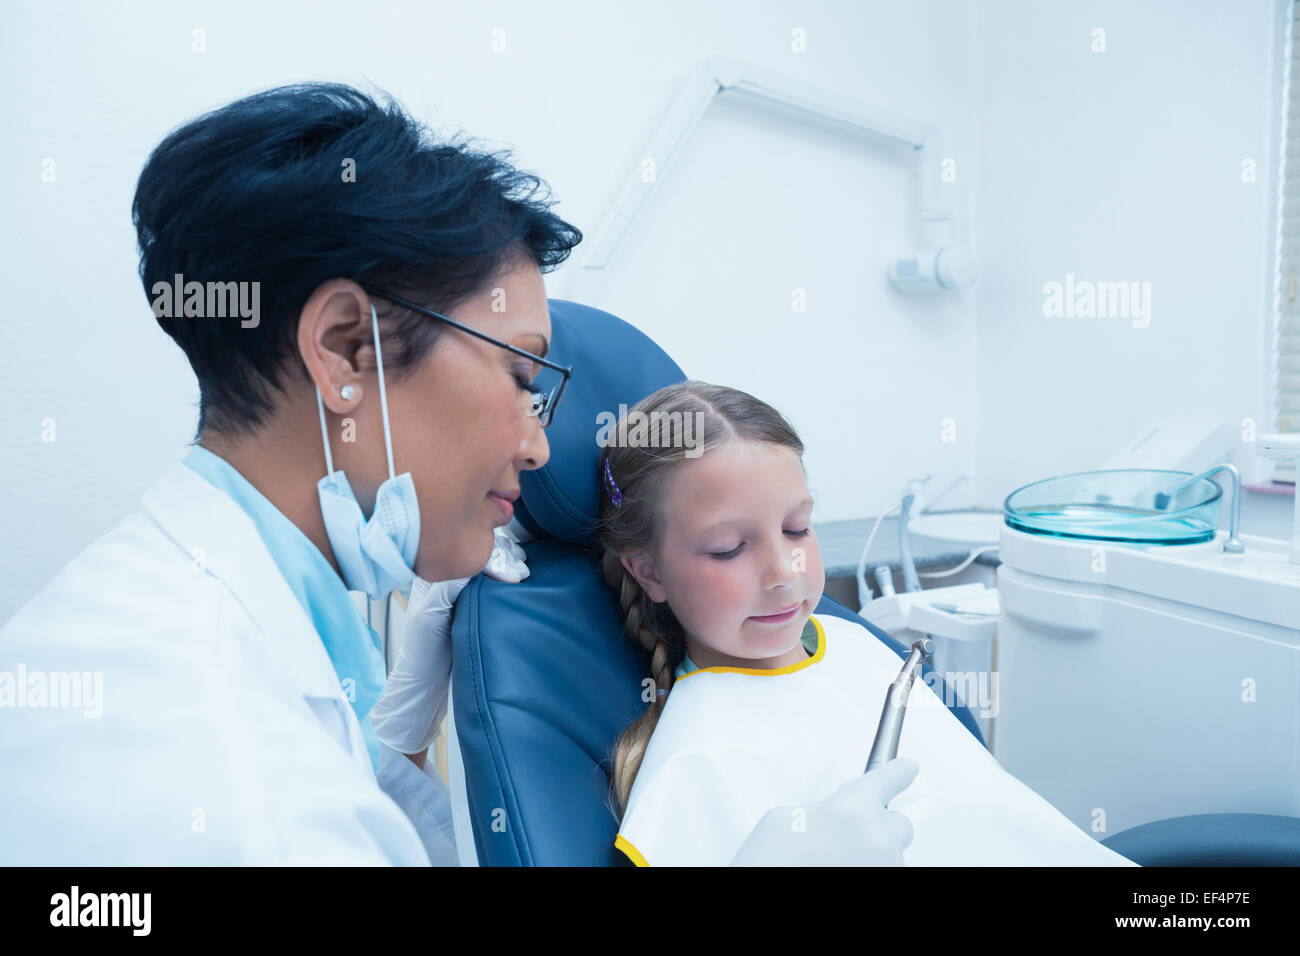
(364,310)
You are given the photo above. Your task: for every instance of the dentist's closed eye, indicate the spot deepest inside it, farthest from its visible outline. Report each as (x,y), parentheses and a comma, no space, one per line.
(523,376)
(725,555)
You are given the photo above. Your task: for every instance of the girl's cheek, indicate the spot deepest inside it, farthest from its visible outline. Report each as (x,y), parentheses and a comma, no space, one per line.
(709,586)
(812,559)
(727,587)
(816,572)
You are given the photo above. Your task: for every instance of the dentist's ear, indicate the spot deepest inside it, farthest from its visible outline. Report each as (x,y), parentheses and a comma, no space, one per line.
(641,566)
(334,327)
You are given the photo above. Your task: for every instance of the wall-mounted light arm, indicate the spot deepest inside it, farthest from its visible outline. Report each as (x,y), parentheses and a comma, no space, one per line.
(708,81)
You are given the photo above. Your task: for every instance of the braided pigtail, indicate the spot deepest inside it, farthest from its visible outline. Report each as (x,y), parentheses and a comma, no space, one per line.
(665,655)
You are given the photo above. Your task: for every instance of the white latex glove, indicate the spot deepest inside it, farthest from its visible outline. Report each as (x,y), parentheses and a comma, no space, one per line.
(851,827)
(408,715)
(507,561)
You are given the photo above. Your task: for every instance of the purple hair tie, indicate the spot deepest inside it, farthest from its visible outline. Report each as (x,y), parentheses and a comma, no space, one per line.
(611,487)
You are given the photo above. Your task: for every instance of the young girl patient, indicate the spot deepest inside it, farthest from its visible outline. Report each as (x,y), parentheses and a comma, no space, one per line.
(758,702)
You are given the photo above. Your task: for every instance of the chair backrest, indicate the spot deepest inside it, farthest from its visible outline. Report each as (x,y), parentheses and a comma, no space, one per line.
(544,680)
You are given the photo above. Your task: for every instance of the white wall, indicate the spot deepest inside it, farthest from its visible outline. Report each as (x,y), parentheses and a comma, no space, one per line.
(1121,165)
(764,202)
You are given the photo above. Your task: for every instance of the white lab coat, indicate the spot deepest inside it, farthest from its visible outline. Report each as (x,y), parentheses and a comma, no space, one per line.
(224,736)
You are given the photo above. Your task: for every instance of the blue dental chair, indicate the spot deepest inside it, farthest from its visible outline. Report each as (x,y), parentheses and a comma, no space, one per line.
(1212,839)
(544,680)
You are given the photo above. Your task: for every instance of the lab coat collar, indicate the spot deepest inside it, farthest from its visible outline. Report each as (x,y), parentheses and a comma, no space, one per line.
(221,538)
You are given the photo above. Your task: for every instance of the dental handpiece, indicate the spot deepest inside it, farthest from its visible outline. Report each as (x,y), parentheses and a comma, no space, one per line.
(885,747)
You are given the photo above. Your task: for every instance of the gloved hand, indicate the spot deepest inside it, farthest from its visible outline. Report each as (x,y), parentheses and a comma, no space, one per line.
(851,827)
(409,713)
(507,561)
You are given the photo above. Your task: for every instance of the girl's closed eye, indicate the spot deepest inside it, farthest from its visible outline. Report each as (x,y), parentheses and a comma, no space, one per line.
(726,555)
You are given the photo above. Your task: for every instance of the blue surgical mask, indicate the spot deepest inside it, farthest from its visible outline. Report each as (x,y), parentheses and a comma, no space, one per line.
(375,555)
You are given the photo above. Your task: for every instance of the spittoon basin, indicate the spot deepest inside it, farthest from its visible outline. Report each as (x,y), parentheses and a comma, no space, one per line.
(1117,505)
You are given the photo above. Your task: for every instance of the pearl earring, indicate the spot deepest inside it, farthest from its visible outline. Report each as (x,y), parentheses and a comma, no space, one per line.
(346,393)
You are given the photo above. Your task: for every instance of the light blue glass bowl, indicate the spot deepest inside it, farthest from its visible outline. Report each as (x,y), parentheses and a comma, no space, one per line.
(1119,505)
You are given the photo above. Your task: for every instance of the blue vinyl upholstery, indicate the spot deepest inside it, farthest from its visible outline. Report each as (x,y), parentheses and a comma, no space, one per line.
(1212,839)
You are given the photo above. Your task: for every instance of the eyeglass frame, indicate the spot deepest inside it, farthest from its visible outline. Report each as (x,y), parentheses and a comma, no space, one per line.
(565,370)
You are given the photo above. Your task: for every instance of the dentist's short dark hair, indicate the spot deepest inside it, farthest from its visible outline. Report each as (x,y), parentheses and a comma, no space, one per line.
(259,191)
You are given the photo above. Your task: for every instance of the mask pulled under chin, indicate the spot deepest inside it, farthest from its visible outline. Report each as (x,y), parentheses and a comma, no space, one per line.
(375,556)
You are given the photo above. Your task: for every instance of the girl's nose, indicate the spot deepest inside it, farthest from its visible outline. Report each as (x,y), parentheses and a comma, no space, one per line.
(779,571)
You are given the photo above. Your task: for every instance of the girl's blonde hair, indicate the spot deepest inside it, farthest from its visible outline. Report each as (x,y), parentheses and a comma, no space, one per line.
(638,473)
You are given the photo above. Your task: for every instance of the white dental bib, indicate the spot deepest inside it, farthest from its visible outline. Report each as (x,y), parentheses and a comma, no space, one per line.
(732,743)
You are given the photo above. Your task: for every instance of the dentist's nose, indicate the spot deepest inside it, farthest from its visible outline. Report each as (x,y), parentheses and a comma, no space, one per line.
(534,450)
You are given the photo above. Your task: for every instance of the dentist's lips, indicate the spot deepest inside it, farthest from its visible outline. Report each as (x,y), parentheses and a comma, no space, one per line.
(504,500)
(781,616)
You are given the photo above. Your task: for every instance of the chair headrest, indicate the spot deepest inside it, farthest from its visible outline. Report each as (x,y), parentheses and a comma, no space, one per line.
(613,364)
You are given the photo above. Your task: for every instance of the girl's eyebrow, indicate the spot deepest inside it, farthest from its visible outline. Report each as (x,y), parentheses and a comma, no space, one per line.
(718,524)
(806,503)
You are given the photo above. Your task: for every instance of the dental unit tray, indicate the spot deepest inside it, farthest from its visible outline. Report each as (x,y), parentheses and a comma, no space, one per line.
(1138,506)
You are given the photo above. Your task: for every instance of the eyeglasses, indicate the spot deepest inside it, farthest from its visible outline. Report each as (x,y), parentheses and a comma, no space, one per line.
(545,389)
